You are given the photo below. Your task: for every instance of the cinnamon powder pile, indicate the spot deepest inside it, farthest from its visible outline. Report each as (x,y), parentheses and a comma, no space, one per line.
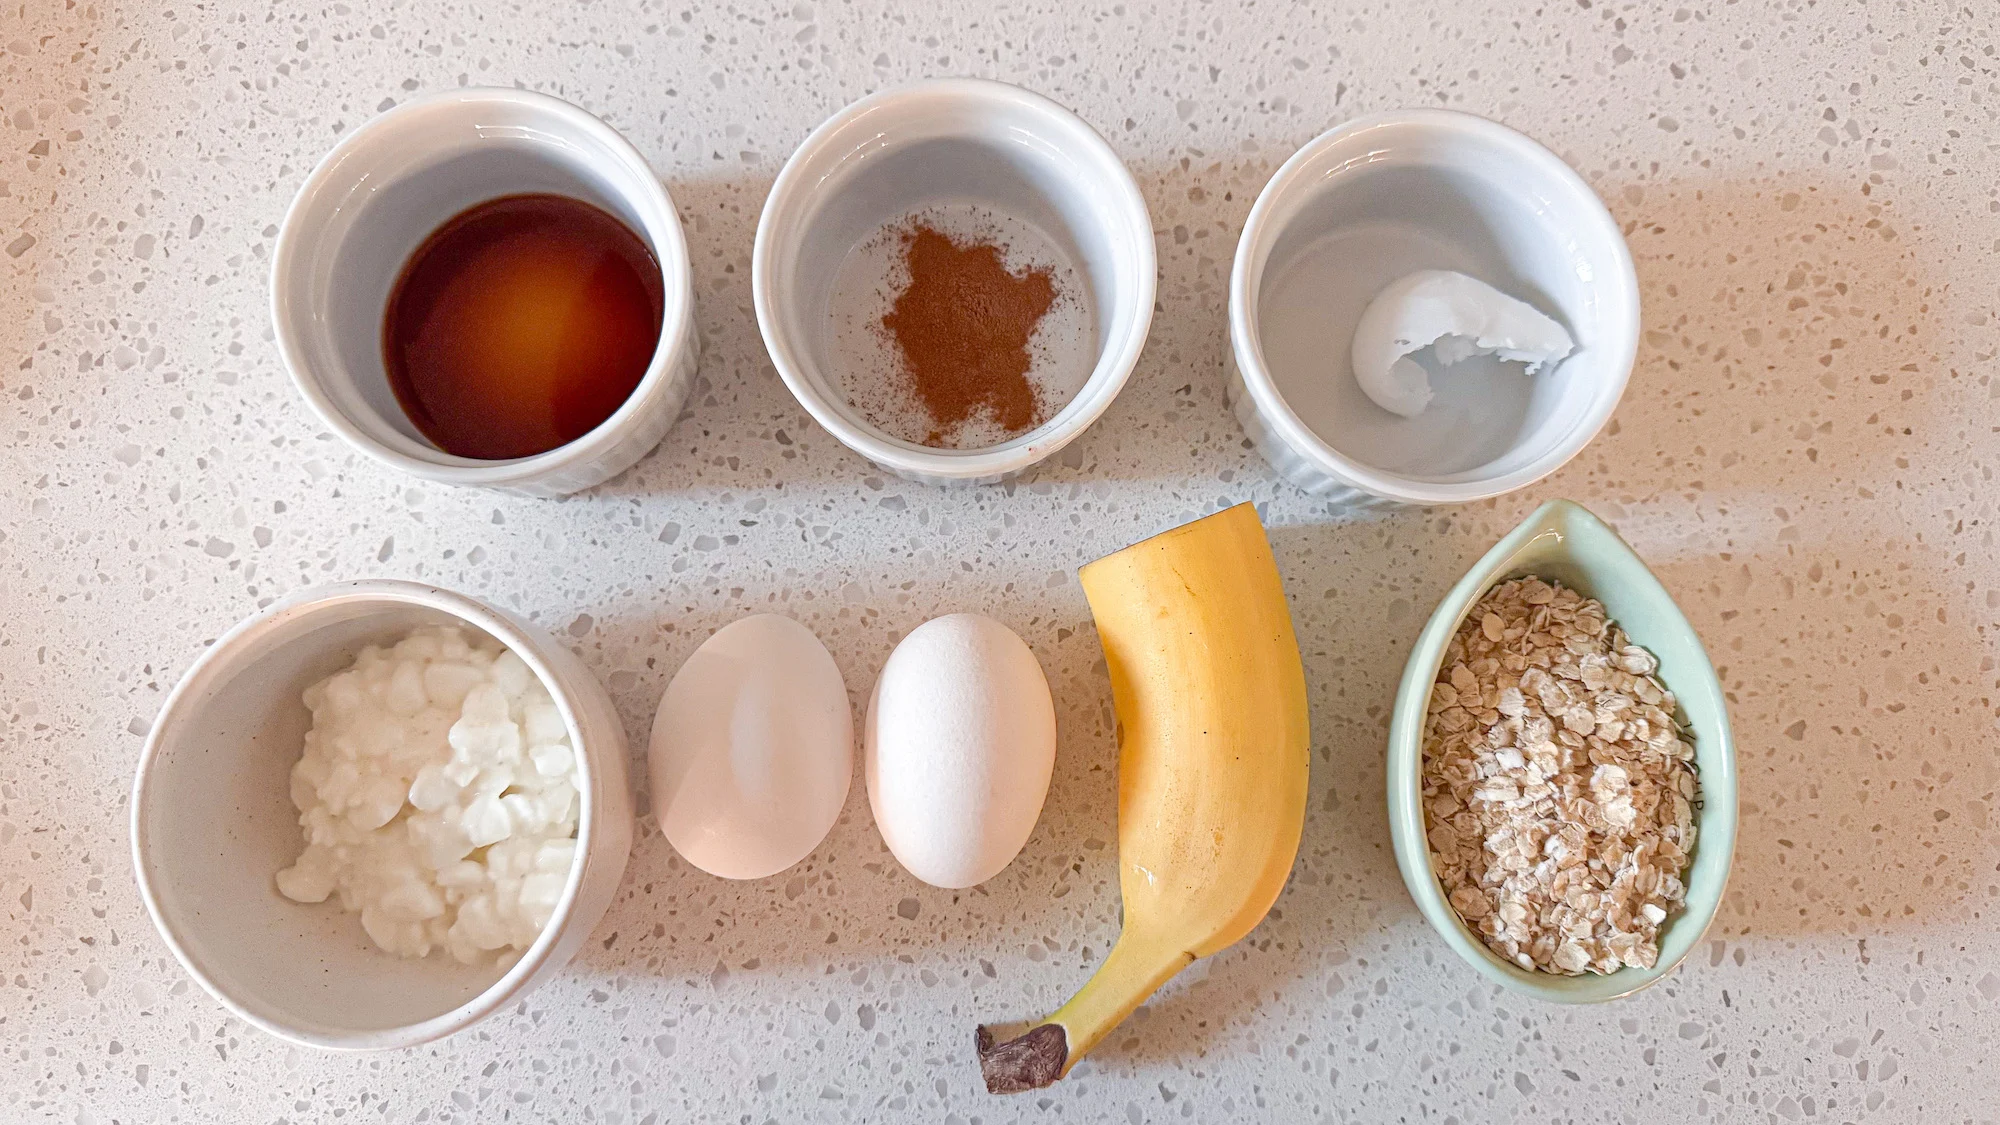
(963,325)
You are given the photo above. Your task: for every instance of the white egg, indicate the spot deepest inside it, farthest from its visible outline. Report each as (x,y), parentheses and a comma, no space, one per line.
(752,749)
(959,744)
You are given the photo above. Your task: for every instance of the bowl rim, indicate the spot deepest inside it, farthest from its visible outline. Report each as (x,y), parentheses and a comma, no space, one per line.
(1718,820)
(1295,177)
(1114,365)
(662,233)
(199,677)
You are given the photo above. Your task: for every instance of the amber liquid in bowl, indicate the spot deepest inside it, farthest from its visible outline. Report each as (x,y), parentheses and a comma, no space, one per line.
(520,325)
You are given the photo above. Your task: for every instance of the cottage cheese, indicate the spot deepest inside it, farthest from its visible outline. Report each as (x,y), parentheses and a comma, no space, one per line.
(438,794)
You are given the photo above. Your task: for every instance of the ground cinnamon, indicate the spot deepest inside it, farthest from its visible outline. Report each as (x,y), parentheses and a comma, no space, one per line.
(963,325)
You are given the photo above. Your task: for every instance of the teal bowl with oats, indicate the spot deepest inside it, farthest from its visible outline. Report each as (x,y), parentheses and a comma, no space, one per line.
(1564,542)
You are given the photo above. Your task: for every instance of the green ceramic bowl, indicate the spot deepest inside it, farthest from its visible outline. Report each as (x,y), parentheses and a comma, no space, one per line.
(1564,542)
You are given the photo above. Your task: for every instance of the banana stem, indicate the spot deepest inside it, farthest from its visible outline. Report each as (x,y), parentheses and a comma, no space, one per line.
(1137,966)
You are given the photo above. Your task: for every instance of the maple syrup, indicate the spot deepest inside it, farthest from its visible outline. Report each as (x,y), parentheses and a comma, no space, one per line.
(520,325)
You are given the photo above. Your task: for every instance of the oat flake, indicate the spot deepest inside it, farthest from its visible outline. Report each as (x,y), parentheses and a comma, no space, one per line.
(1559,793)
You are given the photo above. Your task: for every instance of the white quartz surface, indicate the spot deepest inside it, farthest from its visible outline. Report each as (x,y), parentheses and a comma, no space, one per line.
(1806,454)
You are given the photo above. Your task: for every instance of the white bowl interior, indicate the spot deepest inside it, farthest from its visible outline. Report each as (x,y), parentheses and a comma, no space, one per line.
(1382,202)
(1033,165)
(217,823)
(394,183)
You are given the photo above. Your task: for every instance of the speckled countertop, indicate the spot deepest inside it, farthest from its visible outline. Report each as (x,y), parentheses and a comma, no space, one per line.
(1806,455)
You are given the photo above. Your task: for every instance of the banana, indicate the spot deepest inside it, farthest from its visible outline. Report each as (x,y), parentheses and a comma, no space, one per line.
(1212,761)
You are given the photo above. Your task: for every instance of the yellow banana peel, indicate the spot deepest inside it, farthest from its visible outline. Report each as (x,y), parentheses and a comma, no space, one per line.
(1212,765)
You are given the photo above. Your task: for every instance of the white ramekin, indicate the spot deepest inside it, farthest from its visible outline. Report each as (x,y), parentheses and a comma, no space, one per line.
(939,141)
(1528,208)
(213,823)
(390,183)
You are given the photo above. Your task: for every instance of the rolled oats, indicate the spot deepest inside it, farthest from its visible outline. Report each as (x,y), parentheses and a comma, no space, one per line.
(1558,791)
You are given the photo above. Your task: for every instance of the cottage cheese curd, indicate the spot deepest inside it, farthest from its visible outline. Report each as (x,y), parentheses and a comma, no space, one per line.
(438,795)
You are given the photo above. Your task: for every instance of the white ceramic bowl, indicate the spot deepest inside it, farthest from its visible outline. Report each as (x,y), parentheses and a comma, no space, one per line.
(375,198)
(213,823)
(941,142)
(1381,197)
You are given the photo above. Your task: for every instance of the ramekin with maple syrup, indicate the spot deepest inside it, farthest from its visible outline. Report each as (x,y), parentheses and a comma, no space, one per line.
(488,287)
